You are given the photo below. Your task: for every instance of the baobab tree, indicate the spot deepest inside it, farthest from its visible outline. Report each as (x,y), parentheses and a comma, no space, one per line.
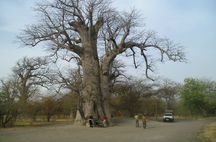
(95,33)
(28,74)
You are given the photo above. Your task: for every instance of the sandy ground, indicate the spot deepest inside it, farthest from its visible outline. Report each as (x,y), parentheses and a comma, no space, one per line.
(179,131)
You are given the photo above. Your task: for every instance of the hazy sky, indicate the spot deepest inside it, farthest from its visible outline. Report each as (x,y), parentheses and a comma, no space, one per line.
(189,22)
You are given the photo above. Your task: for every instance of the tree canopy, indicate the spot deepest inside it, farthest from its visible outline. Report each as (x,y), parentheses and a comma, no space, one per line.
(198,95)
(94,33)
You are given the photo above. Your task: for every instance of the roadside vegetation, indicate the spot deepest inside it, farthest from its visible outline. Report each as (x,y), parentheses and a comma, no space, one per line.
(209,133)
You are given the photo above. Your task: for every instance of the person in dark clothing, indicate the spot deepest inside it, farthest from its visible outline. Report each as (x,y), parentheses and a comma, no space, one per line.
(91,121)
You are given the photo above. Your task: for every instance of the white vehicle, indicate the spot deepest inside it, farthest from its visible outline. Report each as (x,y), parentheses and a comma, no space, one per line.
(168,117)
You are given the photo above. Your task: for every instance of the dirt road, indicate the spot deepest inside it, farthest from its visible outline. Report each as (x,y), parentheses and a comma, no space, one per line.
(179,131)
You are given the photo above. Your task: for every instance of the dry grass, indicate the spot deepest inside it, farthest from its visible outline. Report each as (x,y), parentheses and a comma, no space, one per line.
(209,133)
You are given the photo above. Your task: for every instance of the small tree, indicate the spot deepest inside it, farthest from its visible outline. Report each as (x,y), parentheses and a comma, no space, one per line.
(119,102)
(194,95)
(8,104)
(49,107)
(68,105)
(168,92)
(127,98)
(211,97)
(33,109)
(152,106)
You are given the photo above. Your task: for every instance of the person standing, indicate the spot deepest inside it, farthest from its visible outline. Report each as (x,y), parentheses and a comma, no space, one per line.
(105,123)
(137,120)
(144,120)
(91,121)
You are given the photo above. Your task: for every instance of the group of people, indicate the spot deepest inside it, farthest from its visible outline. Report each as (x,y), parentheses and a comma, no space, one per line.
(142,118)
(93,122)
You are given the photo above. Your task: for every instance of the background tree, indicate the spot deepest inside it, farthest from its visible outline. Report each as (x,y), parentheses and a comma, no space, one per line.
(168,91)
(8,105)
(83,28)
(211,97)
(70,81)
(49,107)
(152,106)
(68,105)
(126,99)
(131,97)
(198,95)
(33,109)
(28,74)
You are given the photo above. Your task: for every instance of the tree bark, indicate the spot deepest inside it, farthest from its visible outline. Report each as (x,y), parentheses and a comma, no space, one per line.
(106,84)
(91,92)
(105,89)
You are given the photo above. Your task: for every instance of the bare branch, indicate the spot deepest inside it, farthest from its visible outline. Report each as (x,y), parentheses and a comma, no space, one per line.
(134,57)
(123,34)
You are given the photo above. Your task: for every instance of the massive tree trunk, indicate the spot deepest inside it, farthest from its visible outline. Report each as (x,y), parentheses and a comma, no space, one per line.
(91,92)
(105,89)
(106,84)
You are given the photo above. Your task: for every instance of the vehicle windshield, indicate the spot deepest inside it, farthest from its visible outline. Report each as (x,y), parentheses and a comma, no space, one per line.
(168,114)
